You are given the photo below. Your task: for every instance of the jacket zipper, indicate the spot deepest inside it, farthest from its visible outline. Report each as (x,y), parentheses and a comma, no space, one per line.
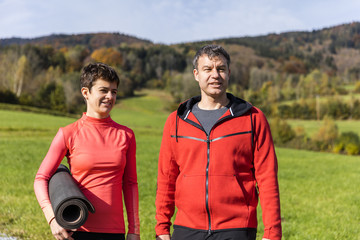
(207,184)
(208,164)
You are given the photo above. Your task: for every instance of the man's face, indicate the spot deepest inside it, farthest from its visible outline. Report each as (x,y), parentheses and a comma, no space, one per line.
(213,75)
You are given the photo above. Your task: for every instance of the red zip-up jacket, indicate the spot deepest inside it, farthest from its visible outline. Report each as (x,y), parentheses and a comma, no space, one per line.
(214,180)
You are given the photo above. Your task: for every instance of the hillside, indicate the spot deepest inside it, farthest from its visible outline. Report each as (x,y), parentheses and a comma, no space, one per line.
(329,48)
(90,40)
(264,69)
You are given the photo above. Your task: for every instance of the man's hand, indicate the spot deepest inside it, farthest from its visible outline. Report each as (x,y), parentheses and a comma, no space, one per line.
(265,239)
(163,237)
(132,236)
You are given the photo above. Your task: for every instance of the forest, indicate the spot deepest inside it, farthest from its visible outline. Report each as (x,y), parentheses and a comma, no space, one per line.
(295,75)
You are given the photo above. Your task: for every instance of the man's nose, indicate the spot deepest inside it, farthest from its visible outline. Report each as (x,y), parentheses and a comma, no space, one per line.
(215,73)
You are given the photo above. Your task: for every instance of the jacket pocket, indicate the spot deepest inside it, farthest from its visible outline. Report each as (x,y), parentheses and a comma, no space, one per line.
(190,194)
(230,197)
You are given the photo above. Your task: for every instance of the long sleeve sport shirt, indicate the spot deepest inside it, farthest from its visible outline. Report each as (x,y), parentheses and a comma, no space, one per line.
(101,156)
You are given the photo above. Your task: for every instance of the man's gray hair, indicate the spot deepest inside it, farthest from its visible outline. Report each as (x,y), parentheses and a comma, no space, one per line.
(211,51)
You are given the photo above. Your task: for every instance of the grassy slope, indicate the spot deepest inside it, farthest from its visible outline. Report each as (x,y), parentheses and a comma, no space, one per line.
(318,190)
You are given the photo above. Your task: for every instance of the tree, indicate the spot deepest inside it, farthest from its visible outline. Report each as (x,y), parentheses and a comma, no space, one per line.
(294,65)
(57,99)
(21,74)
(108,56)
(182,86)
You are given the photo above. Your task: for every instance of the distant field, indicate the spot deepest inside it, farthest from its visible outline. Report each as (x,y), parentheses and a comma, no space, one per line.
(319,196)
(325,99)
(312,126)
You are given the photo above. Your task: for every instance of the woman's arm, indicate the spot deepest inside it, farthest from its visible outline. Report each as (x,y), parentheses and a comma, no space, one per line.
(47,168)
(130,188)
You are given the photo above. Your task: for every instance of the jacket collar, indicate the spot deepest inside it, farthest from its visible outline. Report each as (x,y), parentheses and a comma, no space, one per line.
(237,106)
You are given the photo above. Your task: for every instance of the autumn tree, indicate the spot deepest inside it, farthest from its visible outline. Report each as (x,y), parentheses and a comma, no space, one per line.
(108,56)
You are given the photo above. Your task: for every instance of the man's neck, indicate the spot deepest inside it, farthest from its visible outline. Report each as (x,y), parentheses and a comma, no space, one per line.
(210,103)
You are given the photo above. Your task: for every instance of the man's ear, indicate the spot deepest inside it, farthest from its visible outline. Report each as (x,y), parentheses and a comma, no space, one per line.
(196,74)
(85,91)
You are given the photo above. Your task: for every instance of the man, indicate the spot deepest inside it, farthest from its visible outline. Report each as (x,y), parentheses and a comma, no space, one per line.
(216,156)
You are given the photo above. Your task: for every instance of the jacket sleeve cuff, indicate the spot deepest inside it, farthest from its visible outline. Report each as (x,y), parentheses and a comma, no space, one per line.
(162,230)
(272,234)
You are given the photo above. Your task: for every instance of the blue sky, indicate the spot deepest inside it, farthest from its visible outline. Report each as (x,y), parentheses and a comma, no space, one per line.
(172,21)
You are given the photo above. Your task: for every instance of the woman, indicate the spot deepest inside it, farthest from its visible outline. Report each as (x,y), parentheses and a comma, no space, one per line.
(101,156)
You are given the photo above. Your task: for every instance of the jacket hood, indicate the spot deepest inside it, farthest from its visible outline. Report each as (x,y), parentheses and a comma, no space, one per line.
(237,106)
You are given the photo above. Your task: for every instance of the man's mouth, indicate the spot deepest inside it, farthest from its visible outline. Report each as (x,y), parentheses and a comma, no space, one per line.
(215,84)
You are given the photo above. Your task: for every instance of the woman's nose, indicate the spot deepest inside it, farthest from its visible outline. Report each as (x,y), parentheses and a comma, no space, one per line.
(109,95)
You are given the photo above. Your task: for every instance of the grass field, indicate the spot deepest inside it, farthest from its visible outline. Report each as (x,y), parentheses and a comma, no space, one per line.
(312,126)
(319,196)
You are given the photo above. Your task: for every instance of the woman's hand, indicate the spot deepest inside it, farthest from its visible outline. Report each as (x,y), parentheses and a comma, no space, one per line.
(60,233)
(132,236)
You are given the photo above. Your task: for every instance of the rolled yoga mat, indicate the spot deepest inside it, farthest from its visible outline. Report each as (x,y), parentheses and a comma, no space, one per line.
(70,205)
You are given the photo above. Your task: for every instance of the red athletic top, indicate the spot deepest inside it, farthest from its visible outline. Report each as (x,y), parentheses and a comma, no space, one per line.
(101,156)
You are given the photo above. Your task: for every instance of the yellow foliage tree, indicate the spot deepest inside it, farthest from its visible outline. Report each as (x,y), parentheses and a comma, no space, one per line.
(108,56)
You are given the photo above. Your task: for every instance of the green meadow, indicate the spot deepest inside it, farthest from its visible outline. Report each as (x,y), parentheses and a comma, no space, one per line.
(319,191)
(312,126)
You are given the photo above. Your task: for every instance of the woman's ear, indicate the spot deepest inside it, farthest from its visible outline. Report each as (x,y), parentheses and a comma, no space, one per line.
(85,92)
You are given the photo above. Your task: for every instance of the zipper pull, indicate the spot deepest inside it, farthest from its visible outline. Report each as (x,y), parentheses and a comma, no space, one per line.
(208,234)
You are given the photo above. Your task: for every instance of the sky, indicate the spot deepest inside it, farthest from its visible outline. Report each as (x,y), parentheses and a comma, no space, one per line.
(172,21)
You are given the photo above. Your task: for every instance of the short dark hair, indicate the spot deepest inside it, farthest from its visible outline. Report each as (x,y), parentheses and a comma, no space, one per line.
(211,51)
(95,71)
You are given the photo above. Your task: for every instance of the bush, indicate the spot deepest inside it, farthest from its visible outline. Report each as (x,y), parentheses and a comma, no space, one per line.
(336,109)
(357,87)
(352,149)
(26,99)
(8,96)
(281,131)
(349,143)
(325,138)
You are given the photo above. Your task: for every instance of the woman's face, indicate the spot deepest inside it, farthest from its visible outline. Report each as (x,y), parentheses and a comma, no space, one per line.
(100,99)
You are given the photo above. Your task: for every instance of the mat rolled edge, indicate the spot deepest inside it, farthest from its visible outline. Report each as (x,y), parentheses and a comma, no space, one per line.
(69,204)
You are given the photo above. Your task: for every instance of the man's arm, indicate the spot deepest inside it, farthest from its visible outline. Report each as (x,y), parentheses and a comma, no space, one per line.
(266,167)
(167,174)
